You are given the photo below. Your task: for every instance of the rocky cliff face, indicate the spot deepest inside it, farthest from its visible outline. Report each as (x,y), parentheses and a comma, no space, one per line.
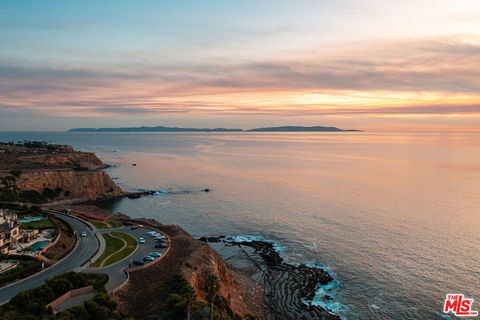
(36,175)
(192,259)
(70,184)
(85,160)
(209,262)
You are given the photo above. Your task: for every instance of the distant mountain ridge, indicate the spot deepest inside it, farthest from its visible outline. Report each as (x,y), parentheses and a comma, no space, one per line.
(154,129)
(302,129)
(177,129)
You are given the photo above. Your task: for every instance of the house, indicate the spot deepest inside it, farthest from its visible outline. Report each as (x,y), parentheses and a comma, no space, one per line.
(9,236)
(29,235)
(4,244)
(10,233)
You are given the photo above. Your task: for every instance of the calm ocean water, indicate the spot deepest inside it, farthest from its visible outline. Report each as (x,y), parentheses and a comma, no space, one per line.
(395,216)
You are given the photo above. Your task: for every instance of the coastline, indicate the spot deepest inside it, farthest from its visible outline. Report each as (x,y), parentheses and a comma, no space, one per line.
(245,294)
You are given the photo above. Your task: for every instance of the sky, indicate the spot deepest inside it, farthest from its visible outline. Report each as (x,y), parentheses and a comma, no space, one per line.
(367,64)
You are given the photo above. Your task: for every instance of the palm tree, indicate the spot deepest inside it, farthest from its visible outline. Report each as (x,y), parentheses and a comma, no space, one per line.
(189,298)
(184,300)
(212,285)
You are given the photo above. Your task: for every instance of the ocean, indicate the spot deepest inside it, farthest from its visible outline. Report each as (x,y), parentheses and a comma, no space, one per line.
(394,216)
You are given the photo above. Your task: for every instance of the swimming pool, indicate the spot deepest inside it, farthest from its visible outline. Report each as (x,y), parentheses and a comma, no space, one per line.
(37,246)
(31,219)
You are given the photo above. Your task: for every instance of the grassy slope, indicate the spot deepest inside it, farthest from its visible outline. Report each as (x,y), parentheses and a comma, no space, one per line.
(111,245)
(113,251)
(125,252)
(99,224)
(43,224)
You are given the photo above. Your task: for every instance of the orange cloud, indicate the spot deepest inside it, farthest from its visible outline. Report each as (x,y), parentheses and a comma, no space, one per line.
(388,78)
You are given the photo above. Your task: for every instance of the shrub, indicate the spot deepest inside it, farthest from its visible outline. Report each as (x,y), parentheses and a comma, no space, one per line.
(101,307)
(49,193)
(26,267)
(31,196)
(16,173)
(31,304)
(8,195)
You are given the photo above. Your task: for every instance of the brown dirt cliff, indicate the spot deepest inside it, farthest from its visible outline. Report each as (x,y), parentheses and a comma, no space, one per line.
(34,175)
(193,259)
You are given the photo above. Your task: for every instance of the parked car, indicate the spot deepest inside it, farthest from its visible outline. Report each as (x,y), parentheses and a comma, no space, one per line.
(138,263)
(133,227)
(160,245)
(141,240)
(148,258)
(155,254)
(83,234)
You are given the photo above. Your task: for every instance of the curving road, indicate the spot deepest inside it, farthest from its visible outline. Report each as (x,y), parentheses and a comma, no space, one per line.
(116,272)
(85,249)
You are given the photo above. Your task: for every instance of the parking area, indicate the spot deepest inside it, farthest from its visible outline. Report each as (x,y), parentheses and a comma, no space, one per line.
(149,242)
(116,273)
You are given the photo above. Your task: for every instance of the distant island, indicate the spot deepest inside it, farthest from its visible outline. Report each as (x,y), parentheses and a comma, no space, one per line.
(153,129)
(177,129)
(302,129)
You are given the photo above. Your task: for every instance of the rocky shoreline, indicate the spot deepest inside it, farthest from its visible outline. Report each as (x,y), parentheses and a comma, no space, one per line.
(288,287)
(78,180)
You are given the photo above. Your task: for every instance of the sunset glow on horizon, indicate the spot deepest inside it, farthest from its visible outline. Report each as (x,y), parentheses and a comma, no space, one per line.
(352,64)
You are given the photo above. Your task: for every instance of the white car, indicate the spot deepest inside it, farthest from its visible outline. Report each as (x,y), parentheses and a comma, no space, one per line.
(141,240)
(83,234)
(155,254)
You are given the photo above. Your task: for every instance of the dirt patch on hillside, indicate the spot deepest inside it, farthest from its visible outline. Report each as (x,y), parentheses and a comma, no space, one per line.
(194,260)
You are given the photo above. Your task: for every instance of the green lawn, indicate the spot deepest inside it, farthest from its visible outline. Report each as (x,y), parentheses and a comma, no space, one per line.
(43,224)
(114,224)
(125,252)
(99,224)
(113,250)
(112,245)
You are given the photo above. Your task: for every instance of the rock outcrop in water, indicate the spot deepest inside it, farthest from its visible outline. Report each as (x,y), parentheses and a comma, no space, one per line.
(287,287)
(44,173)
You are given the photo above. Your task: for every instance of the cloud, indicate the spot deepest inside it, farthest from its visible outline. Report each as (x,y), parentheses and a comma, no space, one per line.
(428,76)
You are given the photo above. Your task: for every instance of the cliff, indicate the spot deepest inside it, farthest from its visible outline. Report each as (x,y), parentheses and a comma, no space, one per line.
(69,185)
(192,259)
(86,160)
(50,173)
(208,262)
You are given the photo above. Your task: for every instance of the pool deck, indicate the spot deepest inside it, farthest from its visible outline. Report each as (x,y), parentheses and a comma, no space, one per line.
(81,257)
(45,235)
(31,219)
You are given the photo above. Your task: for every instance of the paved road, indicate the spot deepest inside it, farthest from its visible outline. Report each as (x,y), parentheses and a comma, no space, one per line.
(116,272)
(86,248)
(82,253)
